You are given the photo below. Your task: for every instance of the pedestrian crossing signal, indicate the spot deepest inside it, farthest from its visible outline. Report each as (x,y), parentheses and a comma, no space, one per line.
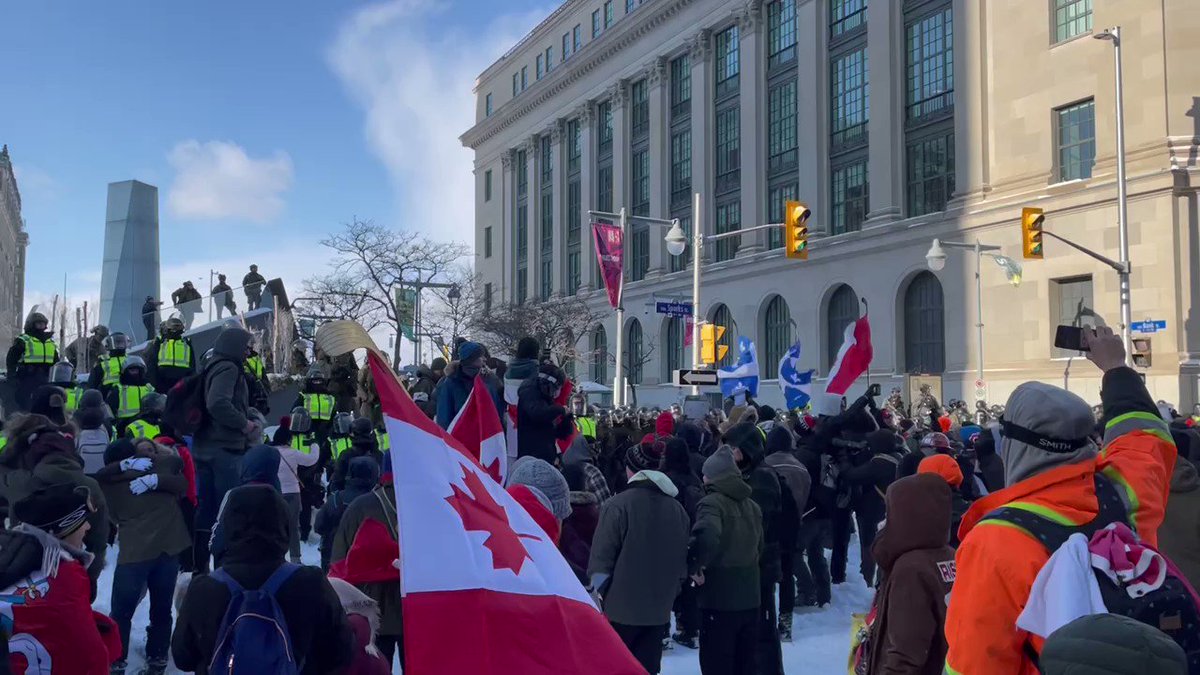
(710,351)
(795,227)
(1031,232)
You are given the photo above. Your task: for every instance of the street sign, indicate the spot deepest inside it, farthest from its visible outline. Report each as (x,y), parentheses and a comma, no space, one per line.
(1148,326)
(676,309)
(695,378)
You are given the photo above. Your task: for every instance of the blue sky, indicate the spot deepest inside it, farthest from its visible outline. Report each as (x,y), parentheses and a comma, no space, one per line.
(264,124)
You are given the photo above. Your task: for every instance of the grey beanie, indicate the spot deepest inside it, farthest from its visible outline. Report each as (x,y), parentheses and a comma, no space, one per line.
(1111,644)
(720,464)
(544,479)
(1049,411)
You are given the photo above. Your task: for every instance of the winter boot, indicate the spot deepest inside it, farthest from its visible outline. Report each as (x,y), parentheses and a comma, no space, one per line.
(155,667)
(785,627)
(686,639)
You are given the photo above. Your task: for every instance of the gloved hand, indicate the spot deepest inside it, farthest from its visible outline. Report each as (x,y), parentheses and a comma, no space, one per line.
(136,464)
(143,484)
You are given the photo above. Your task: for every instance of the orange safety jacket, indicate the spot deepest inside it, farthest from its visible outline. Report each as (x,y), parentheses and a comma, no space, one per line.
(997,562)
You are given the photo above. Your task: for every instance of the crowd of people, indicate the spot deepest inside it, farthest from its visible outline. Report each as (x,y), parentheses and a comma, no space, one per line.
(706,533)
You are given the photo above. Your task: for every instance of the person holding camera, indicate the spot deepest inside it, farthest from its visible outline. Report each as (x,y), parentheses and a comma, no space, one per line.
(541,421)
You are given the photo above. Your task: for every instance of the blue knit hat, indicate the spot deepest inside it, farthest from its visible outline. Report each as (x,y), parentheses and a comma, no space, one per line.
(469,350)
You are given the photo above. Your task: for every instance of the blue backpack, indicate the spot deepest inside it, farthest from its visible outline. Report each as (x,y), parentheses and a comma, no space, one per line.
(254,638)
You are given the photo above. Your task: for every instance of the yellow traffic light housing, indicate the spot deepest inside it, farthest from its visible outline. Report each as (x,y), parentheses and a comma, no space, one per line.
(795,226)
(710,351)
(1031,232)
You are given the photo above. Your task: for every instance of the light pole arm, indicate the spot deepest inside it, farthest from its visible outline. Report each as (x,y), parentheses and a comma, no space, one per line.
(1121,268)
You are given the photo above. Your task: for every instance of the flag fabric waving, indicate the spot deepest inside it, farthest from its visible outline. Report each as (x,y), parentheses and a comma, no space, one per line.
(744,374)
(485,591)
(477,427)
(853,358)
(796,385)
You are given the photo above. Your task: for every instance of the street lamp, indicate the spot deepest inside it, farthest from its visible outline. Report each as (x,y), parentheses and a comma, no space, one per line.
(676,239)
(936,260)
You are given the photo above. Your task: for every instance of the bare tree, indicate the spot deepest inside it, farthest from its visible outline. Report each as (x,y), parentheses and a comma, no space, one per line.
(558,324)
(335,297)
(450,313)
(370,261)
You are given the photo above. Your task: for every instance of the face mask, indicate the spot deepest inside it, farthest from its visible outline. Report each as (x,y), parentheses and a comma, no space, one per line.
(470,370)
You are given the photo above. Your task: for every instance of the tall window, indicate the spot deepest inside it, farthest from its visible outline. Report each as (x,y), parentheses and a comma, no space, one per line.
(681,85)
(930,173)
(608,13)
(849,97)
(487,242)
(728,149)
(574,208)
(599,355)
(727,63)
(604,166)
(776,335)
(930,47)
(596,24)
(604,188)
(1071,304)
(639,109)
(604,121)
(781,124)
(516,84)
(576,39)
(635,352)
(487,105)
(681,261)
(487,185)
(673,347)
(540,67)
(1076,140)
(846,15)
(729,219)
(522,233)
(924,326)
(721,316)
(776,197)
(781,32)
(639,239)
(566,46)
(842,311)
(522,226)
(524,77)
(574,151)
(850,199)
(522,285)
(547,217)
(1071,18)
(549,59)
(681,167)
(522,173)
(547,165)
(681,152)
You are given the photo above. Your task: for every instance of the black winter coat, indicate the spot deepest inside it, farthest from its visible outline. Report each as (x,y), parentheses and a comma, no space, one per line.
(256,519)
(540,422)
(767,492)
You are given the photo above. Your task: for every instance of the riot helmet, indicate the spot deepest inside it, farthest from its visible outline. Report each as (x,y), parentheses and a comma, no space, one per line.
(301,422)
(117,342)
(361,427)
(172,327)
(62,374)
(154,404)
(341,423)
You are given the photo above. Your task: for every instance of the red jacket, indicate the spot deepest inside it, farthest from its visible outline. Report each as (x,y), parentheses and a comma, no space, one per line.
(54,628)
(189,466)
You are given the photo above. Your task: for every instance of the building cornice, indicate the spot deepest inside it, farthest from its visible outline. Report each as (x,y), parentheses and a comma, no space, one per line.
(590,57)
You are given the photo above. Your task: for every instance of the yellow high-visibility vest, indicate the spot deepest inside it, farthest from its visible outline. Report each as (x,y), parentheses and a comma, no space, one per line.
(38,352)
(319,407)
(339,445)
(384,442)
(129,399)
(174,354)
(3,443)
(254,367)
(73,396)
(303,443)
(586,426)
(111,366)
(143,429)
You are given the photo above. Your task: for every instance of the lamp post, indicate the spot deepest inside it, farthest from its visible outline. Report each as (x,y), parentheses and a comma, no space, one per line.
(1114,35)
(936,260)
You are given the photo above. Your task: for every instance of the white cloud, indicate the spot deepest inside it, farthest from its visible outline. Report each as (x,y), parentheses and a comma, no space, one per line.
(412,70)
(217,180)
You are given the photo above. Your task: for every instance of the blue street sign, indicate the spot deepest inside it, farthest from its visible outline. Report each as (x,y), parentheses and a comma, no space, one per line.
(1148,326)
(676,309)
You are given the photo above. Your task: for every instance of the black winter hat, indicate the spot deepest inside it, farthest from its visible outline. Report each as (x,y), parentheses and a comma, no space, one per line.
(57,509)
(883,441)
(645,456)
(438,364)
(528,348)
(779,439)
(748,438)
(50,401)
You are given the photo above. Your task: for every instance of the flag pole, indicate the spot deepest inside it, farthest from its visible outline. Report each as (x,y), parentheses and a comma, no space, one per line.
(866,312)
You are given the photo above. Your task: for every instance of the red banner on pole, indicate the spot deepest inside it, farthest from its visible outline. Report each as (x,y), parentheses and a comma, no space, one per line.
(610,252)
(687,331)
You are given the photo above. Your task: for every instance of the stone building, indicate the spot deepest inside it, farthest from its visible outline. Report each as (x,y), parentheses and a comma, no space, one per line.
(896,122)
(13,241)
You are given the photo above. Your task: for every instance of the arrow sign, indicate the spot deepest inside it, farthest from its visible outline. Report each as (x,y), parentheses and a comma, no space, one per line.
(695,378)
(677,309)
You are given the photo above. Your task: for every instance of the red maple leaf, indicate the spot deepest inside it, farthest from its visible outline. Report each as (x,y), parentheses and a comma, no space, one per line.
(481,513)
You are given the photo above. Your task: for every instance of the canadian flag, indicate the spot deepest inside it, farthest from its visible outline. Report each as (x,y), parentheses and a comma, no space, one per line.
(853,358)
(485,591)
(477,427)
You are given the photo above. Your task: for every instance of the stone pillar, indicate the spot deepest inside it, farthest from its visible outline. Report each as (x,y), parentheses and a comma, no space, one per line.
(700,57)
(508,249)
(753,118)
(558,199)
(660,162)
(971,149)
(619,97)
(533,202)
(587,198)
(885,128)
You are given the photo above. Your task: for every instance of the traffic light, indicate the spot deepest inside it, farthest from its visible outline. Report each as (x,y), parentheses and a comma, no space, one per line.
(710,351)
(1031,232)
(795,226)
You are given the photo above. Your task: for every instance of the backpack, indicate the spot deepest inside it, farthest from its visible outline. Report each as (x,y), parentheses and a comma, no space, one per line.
(186,409)
(90,444)
(254,638)
(1170,609)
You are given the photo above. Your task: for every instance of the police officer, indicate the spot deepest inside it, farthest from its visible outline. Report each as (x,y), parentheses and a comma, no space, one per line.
(256,377)
(339,435)
(170,357)
(312,494)
(63,375)
(318,402)
(125,399)
(149,420)
(107,372)
(585,423)
(252,284)
(30,358)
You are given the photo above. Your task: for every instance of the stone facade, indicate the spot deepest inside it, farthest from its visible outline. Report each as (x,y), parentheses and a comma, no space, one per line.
(1013,81)
(13,241)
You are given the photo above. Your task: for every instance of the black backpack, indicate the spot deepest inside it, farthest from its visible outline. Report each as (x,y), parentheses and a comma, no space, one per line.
(1170,609)
(186,408)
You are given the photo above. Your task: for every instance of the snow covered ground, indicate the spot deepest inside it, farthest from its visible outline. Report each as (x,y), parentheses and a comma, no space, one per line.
(821,637)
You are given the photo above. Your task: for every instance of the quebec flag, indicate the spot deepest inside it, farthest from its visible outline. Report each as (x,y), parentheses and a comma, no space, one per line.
(742,376)
(796,385)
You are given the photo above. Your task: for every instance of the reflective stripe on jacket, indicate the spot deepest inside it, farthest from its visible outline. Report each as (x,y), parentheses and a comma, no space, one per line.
(129,399)
(319,406)
(142,429)
(339,445)
(174,354)
(38,352)
(111,365)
